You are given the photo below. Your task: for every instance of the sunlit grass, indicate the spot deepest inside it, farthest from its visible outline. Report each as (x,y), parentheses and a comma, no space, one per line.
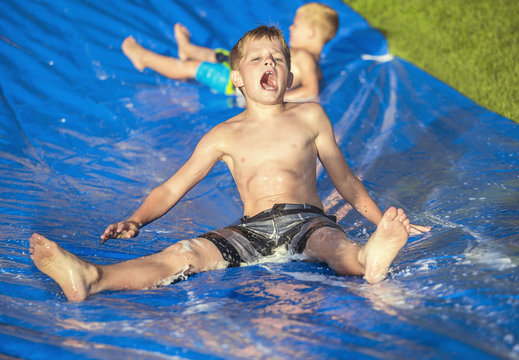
(472,45)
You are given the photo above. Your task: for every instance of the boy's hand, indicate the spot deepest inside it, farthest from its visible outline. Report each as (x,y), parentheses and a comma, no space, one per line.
(418,229)
(120,230)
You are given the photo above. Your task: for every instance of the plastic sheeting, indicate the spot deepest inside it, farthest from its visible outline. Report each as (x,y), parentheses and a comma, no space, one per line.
(84,137)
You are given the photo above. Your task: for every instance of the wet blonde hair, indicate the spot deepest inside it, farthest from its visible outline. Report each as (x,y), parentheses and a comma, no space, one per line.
(322,17)
(270,32)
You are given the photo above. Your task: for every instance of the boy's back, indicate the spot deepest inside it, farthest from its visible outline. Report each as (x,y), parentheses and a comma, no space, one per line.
(307,76)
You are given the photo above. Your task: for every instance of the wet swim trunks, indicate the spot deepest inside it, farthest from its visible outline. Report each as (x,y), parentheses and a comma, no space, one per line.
(260,235)
(216,75)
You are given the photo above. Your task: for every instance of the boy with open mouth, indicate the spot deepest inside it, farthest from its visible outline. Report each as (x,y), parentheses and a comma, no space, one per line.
(271,149)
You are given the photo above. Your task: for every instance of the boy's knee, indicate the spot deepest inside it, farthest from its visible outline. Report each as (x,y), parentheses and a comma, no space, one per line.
(182,250)
(197,254)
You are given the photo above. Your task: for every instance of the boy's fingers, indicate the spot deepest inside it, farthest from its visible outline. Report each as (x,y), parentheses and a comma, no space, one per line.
(109,233)
(104,237)
(121,230)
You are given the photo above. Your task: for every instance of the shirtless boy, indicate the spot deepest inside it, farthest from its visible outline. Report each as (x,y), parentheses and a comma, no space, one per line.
(271,149)
(313,26)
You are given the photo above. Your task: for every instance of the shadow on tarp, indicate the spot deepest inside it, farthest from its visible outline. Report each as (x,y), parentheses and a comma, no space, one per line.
(84,137)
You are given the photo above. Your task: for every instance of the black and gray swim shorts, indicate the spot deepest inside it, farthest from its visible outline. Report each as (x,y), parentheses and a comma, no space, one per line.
(254,237)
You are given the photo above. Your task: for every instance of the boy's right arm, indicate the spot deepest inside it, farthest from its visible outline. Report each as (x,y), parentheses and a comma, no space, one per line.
(167,195)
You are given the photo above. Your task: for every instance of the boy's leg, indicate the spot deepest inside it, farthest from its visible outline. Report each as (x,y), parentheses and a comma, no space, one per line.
(170,67)
(189,51)
(80,278)
(372,260)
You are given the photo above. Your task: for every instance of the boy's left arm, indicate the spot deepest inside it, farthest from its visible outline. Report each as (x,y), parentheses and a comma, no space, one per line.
(348,184)
(345,181)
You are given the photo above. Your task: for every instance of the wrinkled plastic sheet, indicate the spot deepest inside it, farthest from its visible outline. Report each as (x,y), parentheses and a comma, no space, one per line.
(84,137)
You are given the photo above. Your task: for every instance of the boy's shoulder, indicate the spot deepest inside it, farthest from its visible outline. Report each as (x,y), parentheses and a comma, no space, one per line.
(301,55)
(303,65)
(308,110)
(222,129)
(221,136)
(305,106)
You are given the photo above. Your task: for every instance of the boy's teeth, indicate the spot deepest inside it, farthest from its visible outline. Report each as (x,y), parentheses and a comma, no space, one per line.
(267,81)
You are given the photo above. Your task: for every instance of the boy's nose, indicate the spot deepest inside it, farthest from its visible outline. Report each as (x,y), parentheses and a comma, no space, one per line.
(269,61)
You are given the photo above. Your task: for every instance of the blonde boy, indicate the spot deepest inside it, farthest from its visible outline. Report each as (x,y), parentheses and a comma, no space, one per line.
(313,26)
(271,149)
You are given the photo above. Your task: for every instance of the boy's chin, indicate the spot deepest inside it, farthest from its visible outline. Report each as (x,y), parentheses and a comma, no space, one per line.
(271,98)
(273,93)
(266,96)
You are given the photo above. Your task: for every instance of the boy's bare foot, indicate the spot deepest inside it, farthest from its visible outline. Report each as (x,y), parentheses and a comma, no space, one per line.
(383,246)
(74,275)
(134,52)
(183,37)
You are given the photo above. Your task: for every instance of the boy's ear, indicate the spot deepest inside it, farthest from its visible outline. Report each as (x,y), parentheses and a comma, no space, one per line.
(236,79)
(313,32)
(290,80)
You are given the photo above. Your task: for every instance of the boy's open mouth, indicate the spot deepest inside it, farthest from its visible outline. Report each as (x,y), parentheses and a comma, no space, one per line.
(268,81)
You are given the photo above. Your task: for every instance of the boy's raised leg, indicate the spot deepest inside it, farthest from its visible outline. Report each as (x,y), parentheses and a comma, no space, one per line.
(134,52)
(190,51)
(168,66)
(183,37)
(373,260)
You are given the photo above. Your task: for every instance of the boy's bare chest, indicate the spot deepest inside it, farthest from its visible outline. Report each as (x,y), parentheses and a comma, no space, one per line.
(272,143)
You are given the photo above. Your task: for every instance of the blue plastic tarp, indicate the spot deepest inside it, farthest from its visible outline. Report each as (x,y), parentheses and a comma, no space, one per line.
(84,137)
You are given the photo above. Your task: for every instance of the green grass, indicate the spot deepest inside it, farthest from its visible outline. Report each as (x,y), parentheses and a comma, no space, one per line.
(471,45)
